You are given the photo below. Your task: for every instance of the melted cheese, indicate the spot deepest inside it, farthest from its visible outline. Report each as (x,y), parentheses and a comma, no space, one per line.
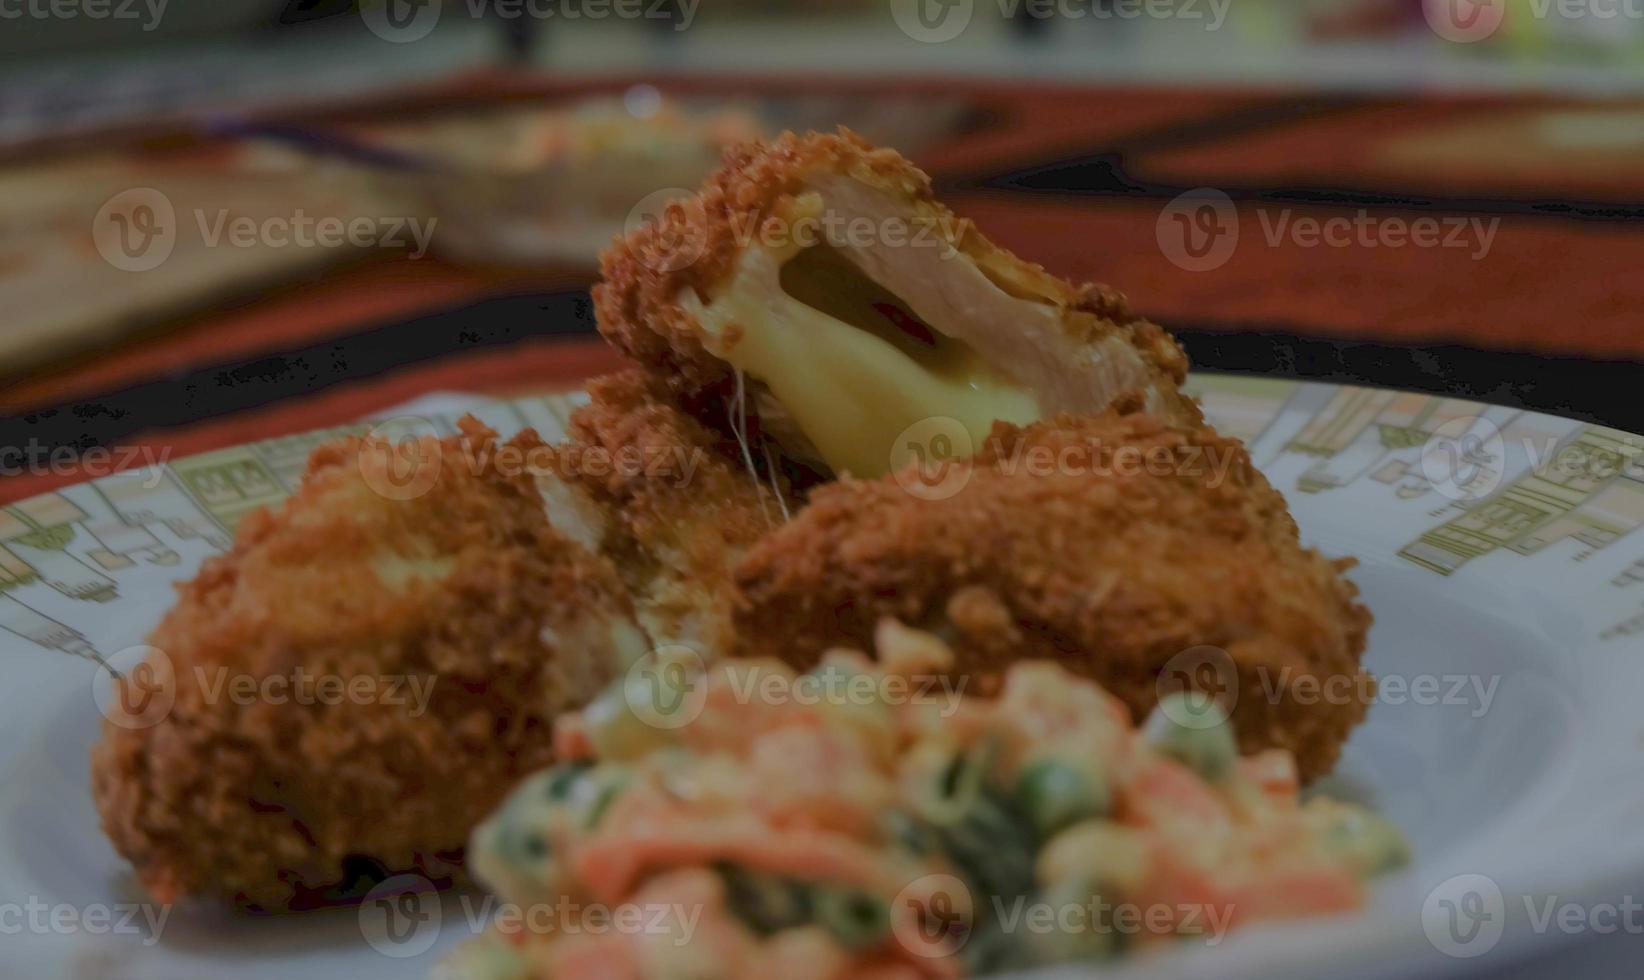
(847,360)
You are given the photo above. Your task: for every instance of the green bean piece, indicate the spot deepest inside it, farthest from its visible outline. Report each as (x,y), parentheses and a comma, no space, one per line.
(766,903)
(855,918)
(991,842)
(563,778)
(908,832)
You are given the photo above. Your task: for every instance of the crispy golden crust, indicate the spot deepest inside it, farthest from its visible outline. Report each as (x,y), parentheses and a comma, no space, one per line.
(695,242)
(464,591)
(684,506)
(1112,571)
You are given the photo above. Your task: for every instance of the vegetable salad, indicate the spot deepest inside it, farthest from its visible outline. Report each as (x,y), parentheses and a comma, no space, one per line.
(710,822)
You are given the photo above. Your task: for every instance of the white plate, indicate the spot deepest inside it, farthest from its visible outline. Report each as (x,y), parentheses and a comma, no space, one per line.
(1497,550)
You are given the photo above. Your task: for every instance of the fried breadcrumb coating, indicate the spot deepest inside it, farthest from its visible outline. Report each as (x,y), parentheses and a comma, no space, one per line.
(455,622)
(1111,544)
(683,504)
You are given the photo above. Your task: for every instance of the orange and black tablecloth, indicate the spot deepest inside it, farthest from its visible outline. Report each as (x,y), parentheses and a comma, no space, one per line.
(1547,314)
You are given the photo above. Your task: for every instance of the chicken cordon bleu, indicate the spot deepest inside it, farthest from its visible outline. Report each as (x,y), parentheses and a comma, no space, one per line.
(361,678)
(816,281)
(1124,547)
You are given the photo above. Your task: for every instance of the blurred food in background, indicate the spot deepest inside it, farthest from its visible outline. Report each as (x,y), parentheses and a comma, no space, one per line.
(551,184)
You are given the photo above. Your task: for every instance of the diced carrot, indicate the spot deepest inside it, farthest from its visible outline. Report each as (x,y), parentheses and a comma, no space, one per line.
(571,741)
(1162,790)
(1294,893)
(1273,771)
(610,863)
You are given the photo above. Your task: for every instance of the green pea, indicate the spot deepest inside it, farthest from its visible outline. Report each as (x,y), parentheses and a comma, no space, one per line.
(1373,843)
(1194,730)
(1055,795)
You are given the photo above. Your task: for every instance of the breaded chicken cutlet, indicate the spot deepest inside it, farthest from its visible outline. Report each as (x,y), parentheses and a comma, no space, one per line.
(361,678)
(815,284)
(817,279)
(1112,543)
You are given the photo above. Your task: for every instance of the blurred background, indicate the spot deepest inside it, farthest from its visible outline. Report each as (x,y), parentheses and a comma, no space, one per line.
(225,221)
